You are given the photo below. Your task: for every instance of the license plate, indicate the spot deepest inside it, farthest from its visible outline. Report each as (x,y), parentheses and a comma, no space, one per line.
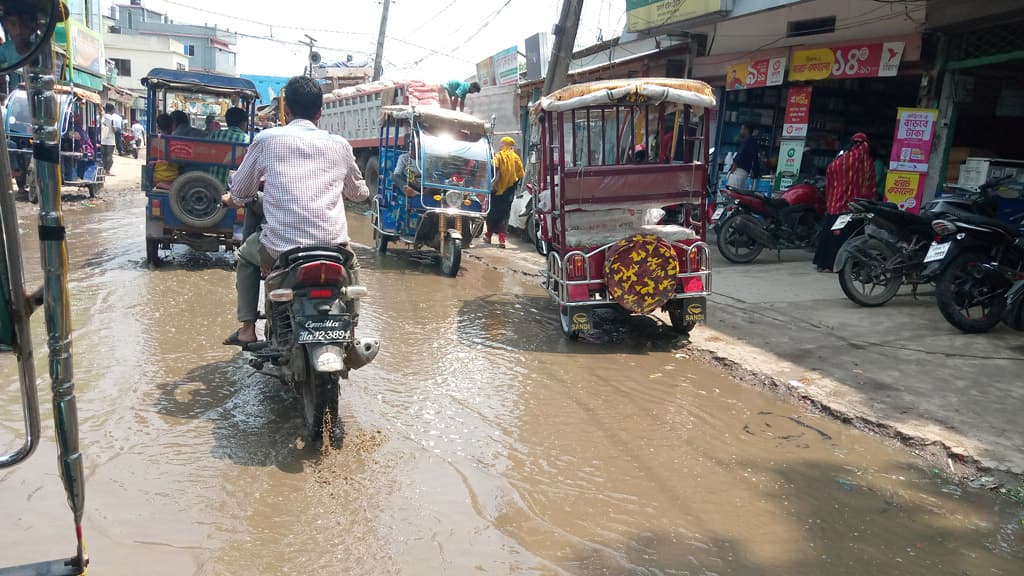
(696,309)
(324,329)
(718,214)
(842,221)
(937,251)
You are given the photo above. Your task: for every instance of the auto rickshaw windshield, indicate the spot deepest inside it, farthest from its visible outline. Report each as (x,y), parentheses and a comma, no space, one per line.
(450,162)
(18,115)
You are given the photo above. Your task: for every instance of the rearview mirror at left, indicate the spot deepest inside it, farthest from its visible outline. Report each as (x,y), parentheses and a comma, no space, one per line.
(25,28)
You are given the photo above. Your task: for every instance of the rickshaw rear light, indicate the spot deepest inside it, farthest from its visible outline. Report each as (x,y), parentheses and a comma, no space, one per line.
(320,273)
(694,260)
(156,209)
(576,268)
(693,285)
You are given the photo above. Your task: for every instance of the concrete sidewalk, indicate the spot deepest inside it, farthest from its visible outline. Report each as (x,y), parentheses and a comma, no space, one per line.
(900,369)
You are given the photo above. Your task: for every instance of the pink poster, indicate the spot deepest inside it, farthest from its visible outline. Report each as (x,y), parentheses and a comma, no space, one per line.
(912,144)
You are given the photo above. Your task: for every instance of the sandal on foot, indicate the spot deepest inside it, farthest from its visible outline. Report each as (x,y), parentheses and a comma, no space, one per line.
(233,340)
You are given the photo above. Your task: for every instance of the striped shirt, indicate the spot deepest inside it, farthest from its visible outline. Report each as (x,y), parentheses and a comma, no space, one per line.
(307,172)
(234,135)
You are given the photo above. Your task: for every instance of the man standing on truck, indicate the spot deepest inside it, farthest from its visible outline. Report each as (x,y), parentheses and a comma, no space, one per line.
(307,173)
(458,90)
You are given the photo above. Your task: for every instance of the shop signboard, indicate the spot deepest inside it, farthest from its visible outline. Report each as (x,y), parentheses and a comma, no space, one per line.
(791,153)
(536,56)
(485,73)
(905,189)
(86,50)
(647,14)
(912,145)
(798,112)
(866,60)
(756,74)
(506,66)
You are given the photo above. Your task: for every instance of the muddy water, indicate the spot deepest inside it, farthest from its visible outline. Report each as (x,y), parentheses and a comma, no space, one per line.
(479,442)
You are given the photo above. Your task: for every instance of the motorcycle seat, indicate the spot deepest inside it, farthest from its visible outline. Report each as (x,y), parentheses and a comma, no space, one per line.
(979,220)
(341,254)
(776,202)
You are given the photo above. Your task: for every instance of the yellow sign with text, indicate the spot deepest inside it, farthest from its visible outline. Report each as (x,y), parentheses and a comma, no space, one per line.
(647,14)
(811,64)
(901,188)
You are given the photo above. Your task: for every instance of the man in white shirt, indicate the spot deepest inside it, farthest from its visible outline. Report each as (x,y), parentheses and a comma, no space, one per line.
(307,173)
(139,132)
(108,138)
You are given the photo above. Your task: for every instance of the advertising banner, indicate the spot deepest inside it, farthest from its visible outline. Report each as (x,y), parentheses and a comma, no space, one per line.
(87,50)
(537,53)
(647,14)
(791,154)
(870,60)
(485,73)
(912,145)
(756,74)
(905,189)
(798,112)
(506,66)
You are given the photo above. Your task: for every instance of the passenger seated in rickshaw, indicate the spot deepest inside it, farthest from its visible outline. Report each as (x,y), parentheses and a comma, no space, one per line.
(237,133)
(164,173)
(405,166)
(182,126)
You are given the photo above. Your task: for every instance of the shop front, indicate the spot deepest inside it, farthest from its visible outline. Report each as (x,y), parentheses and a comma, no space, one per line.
(982,105)
(805,103)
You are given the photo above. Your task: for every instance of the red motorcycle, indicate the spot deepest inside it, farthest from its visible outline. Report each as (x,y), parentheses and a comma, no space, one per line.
(751,221)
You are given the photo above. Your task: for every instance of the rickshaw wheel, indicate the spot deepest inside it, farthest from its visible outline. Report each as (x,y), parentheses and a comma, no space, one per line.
(153,252)
(565,323)
(452,258)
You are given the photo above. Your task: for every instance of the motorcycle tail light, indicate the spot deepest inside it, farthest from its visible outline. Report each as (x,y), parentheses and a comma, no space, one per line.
(943,227)
(320,273)
(156,209)
(576,268)
(321,293)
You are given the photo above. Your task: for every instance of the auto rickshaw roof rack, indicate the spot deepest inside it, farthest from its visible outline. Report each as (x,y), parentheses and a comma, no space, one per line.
(679,91)
(188,80)
(435,119)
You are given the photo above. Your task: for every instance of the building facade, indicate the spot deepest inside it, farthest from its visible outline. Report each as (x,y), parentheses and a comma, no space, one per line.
(208,49)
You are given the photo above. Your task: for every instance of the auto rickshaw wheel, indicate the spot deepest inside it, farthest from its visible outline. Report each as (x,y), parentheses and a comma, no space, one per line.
(451,260)
(195,200)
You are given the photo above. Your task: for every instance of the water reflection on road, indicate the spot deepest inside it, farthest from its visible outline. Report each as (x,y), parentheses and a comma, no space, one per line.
(479,441)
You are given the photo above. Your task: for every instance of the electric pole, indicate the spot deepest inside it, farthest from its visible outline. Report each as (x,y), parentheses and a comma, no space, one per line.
(310,43)
(378,61)
(561,50)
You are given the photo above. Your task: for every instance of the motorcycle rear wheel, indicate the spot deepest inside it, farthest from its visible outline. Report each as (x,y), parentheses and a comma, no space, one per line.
(956,292)
(320,407)
(730,241)
(858,274)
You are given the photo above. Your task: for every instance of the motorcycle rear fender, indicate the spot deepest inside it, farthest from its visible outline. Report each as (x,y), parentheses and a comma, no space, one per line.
(933,269)
(455,234)
(851,246)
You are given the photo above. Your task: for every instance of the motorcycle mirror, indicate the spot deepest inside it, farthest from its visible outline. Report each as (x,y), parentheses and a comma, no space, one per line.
(25,28)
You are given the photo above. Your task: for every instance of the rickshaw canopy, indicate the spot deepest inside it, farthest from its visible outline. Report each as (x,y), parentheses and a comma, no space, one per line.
(206,82)
(436,120)
(654,91)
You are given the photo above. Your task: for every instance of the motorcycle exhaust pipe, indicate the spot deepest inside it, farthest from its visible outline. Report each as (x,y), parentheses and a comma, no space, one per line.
(361,352)
(746,224)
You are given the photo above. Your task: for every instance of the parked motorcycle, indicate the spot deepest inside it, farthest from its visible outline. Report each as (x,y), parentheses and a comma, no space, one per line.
(311,304)
(751,221)
(1014,315)
(975,261)
(130,145)
(890,251)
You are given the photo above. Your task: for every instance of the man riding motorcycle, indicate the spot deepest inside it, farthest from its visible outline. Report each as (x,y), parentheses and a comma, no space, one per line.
(306,172)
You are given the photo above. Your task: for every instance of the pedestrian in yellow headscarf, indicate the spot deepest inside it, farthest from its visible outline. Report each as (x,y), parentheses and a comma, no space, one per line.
(508,171)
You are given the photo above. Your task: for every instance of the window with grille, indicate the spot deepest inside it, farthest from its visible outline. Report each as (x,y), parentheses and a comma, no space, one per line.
(811,27)
(123,66)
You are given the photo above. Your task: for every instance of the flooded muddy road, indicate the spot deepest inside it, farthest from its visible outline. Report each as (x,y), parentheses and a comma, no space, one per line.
(478,442)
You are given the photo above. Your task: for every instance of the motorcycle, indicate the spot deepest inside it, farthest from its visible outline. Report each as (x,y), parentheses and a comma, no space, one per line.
(891,250)
(751,222)
(131,145)
(1014,315)
(975,260)
(311,309)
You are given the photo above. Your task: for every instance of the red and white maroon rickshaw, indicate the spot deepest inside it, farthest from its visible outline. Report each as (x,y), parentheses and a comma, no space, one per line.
(604,159)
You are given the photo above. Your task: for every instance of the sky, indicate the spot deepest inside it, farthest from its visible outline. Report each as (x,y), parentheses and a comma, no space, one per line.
(430,40)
